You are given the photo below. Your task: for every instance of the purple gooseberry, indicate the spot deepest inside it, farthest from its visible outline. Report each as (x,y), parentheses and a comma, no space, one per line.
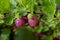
(19,22)
(33,21)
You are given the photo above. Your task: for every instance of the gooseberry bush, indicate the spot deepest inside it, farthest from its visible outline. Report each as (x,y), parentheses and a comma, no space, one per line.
(29,19)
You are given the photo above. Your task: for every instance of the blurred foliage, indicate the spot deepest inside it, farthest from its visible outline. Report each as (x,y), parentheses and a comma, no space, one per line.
(47,38)
(58,2)
(12,9)
(5,34)
(23,34)
(4,6)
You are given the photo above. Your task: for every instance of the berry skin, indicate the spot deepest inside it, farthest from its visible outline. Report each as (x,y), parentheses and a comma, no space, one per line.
(57,8)
(19,22)
(39,35)
(33,21)
(58,36)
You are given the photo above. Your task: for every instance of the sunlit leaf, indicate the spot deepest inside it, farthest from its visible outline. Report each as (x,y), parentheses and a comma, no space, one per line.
(4,6)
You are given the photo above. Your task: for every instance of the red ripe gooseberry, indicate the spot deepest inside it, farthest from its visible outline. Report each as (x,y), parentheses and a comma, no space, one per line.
(33,21)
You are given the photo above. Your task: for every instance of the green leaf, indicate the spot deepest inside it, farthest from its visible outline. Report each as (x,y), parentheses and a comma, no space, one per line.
(23,2)
(4,6)
(54,33)
(58,25)
(58,2)
(22,11)
(27,5)
(1,21)
(5,34)
(9,18)
(13,2)
(49,8)
(58,15)
(58,32)
(30,29)
(5,31)
(39,29)
(45,28)
(47,38)
(23,34)
(52,24)
(1,16)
